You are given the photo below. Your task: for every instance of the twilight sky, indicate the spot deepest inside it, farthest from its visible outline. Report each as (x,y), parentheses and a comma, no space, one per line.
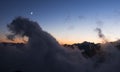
(69,21)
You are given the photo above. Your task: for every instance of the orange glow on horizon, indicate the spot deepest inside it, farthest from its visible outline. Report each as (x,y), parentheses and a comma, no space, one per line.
(16,40)
(61,41)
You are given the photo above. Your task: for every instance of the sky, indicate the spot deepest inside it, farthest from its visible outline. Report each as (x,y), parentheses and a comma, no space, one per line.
(69,21)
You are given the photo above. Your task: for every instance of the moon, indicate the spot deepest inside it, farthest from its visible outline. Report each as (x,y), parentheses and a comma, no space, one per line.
(31,13)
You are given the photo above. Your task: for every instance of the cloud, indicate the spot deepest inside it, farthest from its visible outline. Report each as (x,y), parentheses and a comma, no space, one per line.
(10,37)
(42,53)
(101,35)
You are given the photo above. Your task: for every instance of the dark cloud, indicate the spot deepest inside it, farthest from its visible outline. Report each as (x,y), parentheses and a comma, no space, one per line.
(42,53)
(101,35)
(10,37)
(22,26)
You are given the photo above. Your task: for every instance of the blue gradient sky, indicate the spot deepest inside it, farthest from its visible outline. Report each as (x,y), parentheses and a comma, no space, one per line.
(69,21)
